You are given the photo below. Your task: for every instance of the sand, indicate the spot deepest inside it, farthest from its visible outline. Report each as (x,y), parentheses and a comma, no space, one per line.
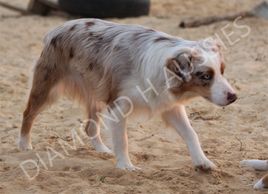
(228,134)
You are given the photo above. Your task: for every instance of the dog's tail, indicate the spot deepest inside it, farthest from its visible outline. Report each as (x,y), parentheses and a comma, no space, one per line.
(258,165)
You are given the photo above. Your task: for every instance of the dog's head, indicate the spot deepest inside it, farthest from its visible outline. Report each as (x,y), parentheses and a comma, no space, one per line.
(200,70)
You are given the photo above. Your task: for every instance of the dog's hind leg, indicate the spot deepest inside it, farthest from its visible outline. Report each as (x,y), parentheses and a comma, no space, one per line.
(42,93)
(93,128)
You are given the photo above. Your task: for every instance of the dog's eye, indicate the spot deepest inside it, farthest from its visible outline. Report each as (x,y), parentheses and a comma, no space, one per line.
(206,77)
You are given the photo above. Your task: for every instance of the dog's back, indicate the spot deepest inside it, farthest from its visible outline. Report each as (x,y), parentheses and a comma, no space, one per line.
(97,61)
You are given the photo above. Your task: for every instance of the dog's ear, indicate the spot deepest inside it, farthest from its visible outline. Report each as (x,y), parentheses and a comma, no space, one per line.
(182,66)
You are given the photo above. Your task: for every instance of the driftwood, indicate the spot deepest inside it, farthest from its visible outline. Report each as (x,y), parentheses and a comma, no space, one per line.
(261,10)
(189,23)
(42,7)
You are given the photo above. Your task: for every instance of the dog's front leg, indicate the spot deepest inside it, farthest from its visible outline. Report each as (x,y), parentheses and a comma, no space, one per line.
(120,139)
(177,118)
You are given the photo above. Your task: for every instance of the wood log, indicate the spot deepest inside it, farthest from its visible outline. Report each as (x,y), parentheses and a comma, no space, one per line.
(190,23)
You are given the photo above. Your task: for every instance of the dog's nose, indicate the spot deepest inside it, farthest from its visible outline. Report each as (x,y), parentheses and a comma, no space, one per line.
(231,97)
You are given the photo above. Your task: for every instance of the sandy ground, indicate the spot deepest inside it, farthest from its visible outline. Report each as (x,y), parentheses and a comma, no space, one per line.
(228,135)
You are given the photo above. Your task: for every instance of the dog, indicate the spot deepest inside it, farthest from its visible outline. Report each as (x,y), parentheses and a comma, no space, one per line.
(124,69)
(258,165)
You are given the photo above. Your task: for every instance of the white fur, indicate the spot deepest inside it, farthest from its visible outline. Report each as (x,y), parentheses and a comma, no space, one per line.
(256,164)
(25,143)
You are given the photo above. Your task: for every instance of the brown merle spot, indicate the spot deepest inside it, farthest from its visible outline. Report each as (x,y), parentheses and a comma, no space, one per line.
(140,35)
(55,40)
(90,23)
(90,66)
(162,38)
(222,68)
(117,48)
(46,76)
(48,71)
(97,50)
(71,55)
(73,27)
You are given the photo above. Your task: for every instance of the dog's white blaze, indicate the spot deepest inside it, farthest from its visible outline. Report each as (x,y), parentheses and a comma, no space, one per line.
(220,87)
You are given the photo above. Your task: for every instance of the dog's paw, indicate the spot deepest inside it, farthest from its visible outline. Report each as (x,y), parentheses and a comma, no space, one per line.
(24,144)
(127,166)
(103,149)
(204,165)
(99,146)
